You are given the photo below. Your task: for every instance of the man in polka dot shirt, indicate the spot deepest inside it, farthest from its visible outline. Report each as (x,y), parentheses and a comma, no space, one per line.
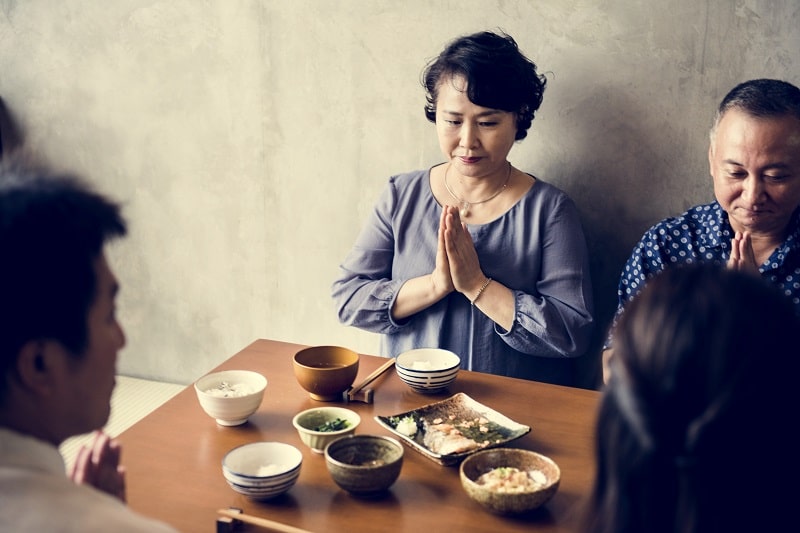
(754,223)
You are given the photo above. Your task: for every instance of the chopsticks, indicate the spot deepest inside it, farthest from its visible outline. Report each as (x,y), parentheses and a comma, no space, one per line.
(351,393)
(261,522)
(369,379)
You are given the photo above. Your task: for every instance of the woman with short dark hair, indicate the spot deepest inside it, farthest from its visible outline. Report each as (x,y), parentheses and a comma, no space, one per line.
(473,255)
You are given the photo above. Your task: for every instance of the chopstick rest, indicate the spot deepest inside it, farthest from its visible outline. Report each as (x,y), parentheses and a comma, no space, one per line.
(359,393)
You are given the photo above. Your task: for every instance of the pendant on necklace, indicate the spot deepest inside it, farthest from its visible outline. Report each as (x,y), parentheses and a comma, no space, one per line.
(464,211)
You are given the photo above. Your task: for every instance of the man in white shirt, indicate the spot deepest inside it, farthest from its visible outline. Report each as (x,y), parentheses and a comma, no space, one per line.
(59,339)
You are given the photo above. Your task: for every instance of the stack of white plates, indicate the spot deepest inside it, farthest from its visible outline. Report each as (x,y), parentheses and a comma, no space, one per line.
(428,370)
(262,470)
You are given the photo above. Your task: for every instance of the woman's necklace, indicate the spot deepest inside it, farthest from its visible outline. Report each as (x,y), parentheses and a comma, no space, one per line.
(465,205)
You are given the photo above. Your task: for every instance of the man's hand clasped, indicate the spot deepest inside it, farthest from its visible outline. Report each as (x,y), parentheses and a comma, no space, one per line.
(742,255)
(98,464)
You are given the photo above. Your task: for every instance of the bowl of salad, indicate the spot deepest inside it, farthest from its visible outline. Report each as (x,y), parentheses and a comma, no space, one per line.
(320,426)
(510,480)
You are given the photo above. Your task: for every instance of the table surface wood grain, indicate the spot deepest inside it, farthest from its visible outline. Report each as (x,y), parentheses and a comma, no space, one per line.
(173,456)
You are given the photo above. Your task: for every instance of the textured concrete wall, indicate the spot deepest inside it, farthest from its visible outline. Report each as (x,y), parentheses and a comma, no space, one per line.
(248,139)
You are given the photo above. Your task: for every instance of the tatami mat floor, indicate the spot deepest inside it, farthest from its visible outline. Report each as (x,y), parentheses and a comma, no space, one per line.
(132,400)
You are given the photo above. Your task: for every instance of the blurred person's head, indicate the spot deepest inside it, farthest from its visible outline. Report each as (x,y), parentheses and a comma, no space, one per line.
(59,335)
(695,426)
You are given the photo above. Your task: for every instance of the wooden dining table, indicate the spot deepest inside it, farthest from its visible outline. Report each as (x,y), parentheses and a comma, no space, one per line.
(174,455)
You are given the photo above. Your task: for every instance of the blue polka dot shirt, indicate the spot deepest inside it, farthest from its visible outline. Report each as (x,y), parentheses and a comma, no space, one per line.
(703,234)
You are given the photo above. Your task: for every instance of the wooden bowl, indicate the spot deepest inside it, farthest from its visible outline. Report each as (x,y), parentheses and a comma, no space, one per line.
(325,372)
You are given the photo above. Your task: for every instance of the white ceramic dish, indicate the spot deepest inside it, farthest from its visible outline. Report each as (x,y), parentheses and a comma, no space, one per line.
(262,470)
(428,370)
(230,396)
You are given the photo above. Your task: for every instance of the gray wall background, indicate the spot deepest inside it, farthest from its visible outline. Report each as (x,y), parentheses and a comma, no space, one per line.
(248,139)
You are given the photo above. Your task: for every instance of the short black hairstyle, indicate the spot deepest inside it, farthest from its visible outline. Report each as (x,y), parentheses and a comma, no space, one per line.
(498,76)
(53,227)
(761,98)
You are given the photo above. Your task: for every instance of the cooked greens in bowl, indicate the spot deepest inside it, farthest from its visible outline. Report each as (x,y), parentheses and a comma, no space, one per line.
(320,426)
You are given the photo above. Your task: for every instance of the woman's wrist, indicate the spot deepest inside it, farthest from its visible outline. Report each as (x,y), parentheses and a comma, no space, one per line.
(438,291)
(480,291)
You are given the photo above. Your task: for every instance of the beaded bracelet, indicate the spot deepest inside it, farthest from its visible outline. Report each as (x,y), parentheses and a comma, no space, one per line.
(480,291)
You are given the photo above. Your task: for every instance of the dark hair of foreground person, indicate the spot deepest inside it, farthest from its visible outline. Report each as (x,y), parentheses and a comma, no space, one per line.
(695,429)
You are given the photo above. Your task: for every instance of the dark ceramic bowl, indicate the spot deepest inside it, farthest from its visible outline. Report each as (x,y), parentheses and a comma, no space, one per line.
(364,464)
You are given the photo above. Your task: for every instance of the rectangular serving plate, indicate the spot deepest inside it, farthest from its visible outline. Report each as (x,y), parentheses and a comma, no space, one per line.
(459,407)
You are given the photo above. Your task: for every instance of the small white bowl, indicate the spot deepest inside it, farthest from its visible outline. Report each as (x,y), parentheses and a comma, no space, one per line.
(428,370)
(262,470)
(231,396)
(306,422)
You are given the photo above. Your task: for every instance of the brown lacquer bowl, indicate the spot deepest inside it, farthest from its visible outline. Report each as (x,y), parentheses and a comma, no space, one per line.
(326,372)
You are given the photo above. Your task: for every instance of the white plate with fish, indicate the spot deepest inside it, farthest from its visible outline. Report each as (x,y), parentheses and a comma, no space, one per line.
(449,430)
